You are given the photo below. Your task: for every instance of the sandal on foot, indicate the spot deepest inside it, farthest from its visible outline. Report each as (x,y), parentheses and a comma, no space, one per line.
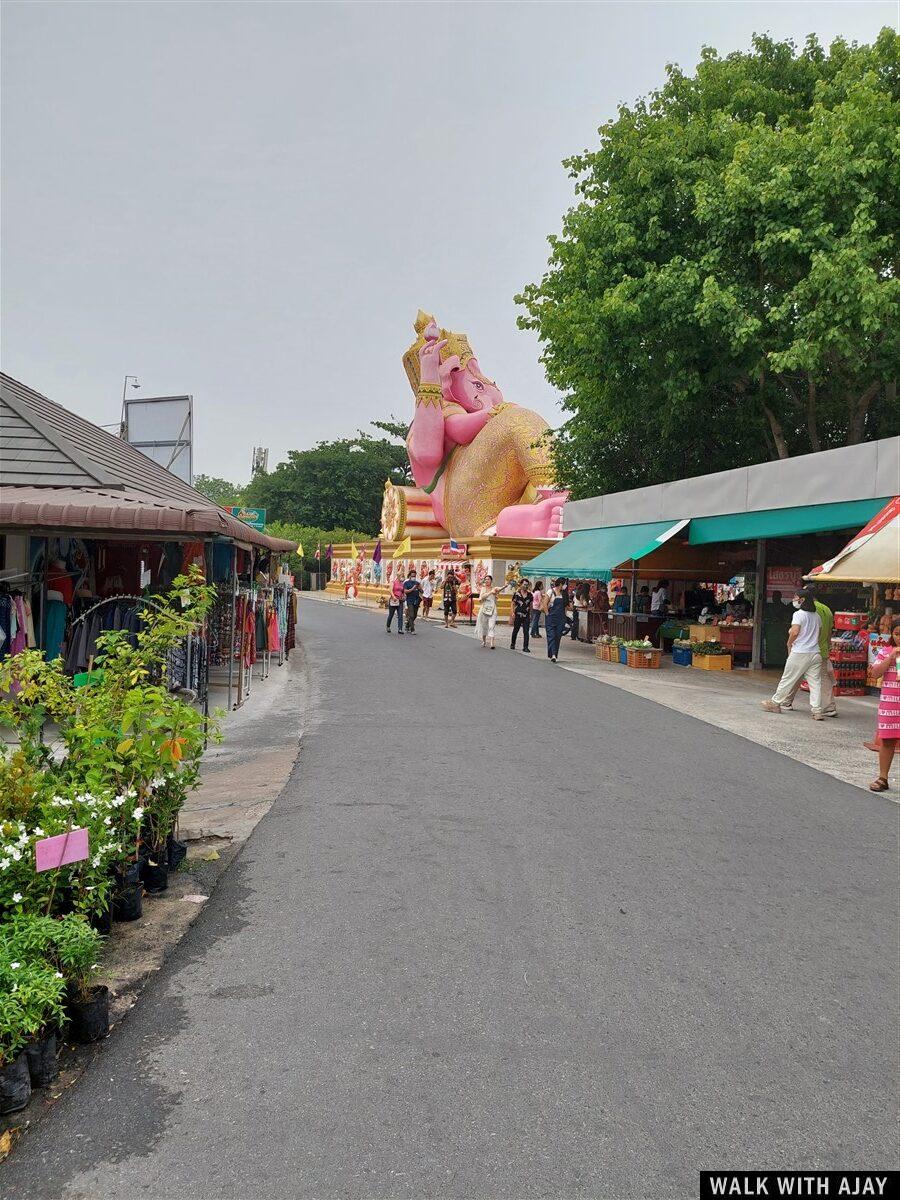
(879,785)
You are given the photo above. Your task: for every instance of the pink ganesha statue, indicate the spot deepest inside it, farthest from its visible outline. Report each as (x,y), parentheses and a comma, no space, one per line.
(481,464)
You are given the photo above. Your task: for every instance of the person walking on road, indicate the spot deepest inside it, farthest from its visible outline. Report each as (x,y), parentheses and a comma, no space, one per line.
(554,609)
(451,587)
(885,668)
(395,604)
(536,597)
(804,659)
(487,611)
(521,615)
(412,594)
(829,708)
(427,594)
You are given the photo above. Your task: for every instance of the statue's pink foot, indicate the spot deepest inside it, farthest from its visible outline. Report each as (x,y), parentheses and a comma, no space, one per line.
(542,519)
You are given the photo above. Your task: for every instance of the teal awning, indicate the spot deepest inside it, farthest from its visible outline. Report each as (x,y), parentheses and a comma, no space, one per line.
(595,553)
(784,522)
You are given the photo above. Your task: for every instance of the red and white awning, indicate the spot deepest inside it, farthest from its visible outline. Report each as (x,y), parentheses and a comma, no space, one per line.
(873,556)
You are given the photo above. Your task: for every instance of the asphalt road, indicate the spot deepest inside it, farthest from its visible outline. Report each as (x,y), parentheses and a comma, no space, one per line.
(506,933)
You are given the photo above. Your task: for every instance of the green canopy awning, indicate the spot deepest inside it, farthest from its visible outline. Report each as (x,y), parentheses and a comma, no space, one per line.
(595,553)
(784,522)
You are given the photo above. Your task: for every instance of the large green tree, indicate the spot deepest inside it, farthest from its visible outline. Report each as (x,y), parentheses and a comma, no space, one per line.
(725,288)
(220,491)
(335,484)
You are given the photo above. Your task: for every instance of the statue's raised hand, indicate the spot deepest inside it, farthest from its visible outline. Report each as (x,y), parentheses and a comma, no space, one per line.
(430,360)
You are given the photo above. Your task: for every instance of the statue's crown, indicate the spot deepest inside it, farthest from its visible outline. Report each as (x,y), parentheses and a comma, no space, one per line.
(457,343)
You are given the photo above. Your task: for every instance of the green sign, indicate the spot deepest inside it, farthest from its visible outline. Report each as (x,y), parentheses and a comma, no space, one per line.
(255,517)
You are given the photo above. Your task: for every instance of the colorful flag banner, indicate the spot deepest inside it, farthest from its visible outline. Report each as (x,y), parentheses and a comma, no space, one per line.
(354,553)
(404,548)
(376,553)
(329,551)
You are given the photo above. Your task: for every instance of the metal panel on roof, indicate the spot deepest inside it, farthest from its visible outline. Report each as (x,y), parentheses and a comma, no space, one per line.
(887,470)
(862,472)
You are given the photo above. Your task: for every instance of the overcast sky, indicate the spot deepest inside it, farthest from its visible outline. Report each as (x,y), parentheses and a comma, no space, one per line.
(249,202)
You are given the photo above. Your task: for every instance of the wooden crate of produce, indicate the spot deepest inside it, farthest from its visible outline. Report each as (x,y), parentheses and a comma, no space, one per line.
(704,633)
(640,660)
(711,662)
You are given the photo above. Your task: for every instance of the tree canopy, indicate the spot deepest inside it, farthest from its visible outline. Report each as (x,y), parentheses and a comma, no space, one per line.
(312,538)
(725,289)
(220,491)
(335,484)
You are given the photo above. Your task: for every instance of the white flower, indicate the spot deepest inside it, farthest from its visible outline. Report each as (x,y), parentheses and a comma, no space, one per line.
(17,898)
(23,839)
(4,863)
(57,974)
(118,801)
(38,832)
(138,813)
(95,861)
(107,820)
(15,853)
(15,966)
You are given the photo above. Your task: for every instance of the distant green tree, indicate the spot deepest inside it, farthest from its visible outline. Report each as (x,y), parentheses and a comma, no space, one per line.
(725,289)
(310,538)
(335,484)
(220,491)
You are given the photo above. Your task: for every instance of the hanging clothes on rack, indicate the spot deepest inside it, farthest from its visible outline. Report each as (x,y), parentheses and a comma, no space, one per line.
(273,631)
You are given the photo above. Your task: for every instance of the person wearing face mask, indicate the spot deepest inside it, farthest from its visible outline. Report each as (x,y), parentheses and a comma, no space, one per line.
(804,660)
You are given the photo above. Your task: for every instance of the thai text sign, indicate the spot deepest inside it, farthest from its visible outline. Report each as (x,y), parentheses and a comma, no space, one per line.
(255,517)
(783,579)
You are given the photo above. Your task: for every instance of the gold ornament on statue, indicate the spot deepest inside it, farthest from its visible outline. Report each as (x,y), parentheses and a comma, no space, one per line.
(393,512)
(457,343)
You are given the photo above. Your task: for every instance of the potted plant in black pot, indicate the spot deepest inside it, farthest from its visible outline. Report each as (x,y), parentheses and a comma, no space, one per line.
(76,948)
(35,990)
(31,1009)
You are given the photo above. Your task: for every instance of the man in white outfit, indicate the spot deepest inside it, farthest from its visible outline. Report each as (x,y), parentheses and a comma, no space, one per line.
(804,659)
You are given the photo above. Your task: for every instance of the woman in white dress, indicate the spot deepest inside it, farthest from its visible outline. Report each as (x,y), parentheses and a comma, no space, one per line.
(487,611)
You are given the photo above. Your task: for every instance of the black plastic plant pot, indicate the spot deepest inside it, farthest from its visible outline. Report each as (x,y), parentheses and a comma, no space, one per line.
(90,1015)
(128,874)
(15,1085)
(43,1060)
(102,922)
(176,850)
(155,873)
(128,904)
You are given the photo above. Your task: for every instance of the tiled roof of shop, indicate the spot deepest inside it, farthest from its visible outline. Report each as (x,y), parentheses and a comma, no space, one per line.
(43,443)
(59,471)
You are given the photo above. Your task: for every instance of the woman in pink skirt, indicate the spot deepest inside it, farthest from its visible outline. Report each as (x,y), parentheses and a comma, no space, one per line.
(885,669)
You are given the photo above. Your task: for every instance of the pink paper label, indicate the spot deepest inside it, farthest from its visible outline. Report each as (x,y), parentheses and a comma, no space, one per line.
(53,852)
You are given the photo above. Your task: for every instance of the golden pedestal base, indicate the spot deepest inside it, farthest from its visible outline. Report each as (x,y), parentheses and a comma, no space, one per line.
(490,555)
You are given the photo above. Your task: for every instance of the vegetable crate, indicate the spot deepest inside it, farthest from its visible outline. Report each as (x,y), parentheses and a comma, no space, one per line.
(603,652)
(681,656)
(623,655)
(712,662)
(643,659)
